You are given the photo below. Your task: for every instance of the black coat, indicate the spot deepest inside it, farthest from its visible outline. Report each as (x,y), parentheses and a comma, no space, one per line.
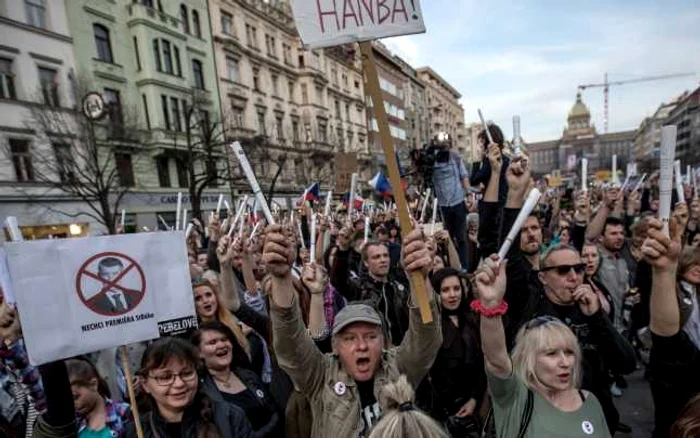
(229,420)
(458,373)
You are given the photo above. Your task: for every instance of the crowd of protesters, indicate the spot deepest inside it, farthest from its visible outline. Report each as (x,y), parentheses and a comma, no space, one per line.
(332,344)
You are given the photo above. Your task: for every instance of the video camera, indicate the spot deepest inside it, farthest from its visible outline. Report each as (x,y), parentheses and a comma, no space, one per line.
(424,159)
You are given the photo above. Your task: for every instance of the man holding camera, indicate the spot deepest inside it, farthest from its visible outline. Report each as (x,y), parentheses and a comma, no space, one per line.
(451,183)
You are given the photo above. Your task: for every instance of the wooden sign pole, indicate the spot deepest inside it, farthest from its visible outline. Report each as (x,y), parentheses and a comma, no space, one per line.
(375,92)
(130,389)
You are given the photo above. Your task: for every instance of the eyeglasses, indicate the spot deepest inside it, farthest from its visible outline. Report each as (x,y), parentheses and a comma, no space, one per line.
(167,379)
(539,321)
(565,269)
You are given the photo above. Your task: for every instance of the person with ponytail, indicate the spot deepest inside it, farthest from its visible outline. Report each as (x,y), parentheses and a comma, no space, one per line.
(401,418)
(97,415)
(168,376)
(226,381)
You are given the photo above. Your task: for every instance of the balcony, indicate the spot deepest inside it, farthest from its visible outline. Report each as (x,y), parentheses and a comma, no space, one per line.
(138,13)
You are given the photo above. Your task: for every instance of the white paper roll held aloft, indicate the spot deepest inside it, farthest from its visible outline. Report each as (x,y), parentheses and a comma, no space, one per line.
(584,174)
(252,181)
(486,127)
(640,182)
(239,213)
(178,211)
(312,239)
(327,209)
(667,156)
(188,230)
(366,229)
(425,205)
(516,134)
(123,220)
(530,203)
(218,204)
(614,179)
(434,218)
(679,181)
(351,199)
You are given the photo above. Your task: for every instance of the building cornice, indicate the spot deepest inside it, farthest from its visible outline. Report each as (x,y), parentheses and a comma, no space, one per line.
(100,14)
(39,30)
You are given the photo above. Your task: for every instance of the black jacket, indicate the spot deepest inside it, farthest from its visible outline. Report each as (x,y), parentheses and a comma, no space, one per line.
(458,373)
(229,420)
(481,174)
(275,425)
(389,299)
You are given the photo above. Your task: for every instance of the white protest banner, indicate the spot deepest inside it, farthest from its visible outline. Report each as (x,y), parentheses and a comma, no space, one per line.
(667,156)
(324,23)
(82,295)
(5,281)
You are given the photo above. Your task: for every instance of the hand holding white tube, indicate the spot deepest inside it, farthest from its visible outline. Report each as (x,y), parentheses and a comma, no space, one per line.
(530,203)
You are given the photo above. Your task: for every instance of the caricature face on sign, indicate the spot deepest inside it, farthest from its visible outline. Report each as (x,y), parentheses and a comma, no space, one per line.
(110,284)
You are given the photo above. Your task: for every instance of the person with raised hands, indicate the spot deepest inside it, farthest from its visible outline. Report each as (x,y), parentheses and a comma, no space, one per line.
(674,360)
(343,387)
(535,390)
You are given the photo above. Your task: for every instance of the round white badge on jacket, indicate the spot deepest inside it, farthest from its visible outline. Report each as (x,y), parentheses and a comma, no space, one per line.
(587,427)
(259,393)
(339,388)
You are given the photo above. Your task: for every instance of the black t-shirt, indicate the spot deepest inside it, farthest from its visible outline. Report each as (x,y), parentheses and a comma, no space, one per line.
(173,430)
(254,409)
(371,413)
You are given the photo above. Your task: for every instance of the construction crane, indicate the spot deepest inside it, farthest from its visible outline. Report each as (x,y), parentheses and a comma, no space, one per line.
(606,88)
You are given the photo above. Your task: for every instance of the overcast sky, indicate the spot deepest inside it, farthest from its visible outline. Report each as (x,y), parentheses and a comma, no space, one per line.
(527,57)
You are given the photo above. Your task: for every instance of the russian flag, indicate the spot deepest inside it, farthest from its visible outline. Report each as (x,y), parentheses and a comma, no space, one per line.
(380,184)
(313,193)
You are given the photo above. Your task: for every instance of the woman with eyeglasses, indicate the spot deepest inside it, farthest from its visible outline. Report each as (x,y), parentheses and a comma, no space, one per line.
(535,390)
(168,375)
(229,383)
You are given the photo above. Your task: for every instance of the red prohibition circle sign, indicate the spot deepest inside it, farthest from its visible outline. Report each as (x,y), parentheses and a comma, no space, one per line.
(98,303)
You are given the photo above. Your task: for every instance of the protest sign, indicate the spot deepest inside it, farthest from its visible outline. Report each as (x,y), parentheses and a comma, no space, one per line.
(96,293)
(324,23)
(345,166)
(5,282)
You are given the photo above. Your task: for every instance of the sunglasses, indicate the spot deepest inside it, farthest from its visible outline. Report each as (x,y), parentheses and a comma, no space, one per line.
(539,321)
(565,269)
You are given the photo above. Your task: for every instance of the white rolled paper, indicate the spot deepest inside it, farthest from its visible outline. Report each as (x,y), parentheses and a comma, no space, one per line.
(640,182)
(624,184)
(614,170)
(687,174)
(178,211)
(486,127)
(301,235)
(123,218)
(327,209)
(255,230)
(184,218)
(312,242)
(530,203)
(252,181)
(667,155)
(162,221)
(425,205)
(238,215)
(679,181)
(228,206)
(218,204)
(432,222)
(695,183)
(584,174)
(516,134)
(351,200)
(188,230)
(13,228)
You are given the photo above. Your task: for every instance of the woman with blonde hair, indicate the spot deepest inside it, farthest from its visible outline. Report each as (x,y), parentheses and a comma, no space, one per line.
(535,392)
(400,418)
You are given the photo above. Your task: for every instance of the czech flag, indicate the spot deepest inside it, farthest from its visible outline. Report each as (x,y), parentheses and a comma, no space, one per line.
(313,193)
(359,201)
(380,184)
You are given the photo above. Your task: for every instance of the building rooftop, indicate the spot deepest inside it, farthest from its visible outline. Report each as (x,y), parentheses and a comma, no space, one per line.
(443,82)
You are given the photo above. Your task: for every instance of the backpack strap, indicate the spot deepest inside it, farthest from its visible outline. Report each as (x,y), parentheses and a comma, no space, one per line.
(527,414)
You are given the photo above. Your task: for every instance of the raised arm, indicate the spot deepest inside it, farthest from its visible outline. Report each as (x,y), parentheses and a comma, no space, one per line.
(610,198)
(296,352)
(662,253)
(490,283)
(315,279)
(229,295)
(340,269)
(248,265)
(420,346)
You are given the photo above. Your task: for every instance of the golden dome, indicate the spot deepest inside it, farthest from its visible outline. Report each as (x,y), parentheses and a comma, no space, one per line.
(579,109)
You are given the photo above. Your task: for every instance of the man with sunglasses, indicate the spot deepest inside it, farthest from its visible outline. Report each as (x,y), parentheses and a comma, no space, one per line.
(553,285)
